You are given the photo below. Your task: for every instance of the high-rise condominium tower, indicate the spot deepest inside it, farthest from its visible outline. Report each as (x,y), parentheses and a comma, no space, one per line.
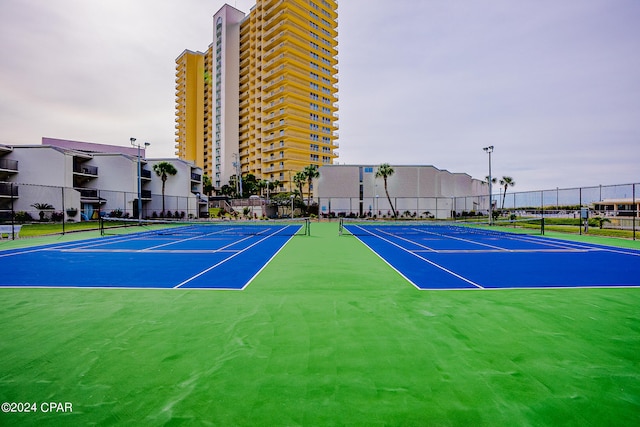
(263,98)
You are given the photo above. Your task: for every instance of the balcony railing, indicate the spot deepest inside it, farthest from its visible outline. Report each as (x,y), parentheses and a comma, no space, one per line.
(85,169)
(7,164)
(8,190)
(196,177)
(145,173)
(87,193)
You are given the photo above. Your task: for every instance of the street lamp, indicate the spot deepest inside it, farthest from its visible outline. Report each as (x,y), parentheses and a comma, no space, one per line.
(489,150)
(292,197)
(146,144)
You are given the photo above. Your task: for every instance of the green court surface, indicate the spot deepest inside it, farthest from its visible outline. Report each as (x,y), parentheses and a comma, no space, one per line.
(327,335)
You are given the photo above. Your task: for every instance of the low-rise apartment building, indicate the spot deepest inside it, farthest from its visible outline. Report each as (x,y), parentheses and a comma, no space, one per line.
(417,191)
(83,181)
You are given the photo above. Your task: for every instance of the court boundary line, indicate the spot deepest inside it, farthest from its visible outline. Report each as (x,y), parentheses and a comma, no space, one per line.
(266,263)
(65,248)
(460,239)
(446,270)
(503,251)
(205,271)
(568,246)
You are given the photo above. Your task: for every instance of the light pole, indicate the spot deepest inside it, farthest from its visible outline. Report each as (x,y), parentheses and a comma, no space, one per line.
(238,167)
(489,150)
(146,144)
(292,197)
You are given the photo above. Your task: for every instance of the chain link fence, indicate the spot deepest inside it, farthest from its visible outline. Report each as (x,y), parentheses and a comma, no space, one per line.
(80,208)
(608,206)
(614,206)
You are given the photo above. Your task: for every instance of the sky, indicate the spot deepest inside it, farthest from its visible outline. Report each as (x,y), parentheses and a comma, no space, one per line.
(553,85)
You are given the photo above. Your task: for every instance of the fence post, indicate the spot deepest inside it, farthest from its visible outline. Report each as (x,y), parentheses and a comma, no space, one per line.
(635,211)
(542,204)
(13,214)
(580,223)
(64,219)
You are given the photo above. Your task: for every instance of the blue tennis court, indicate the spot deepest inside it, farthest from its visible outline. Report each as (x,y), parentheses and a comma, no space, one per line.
(226,257)
(434,257)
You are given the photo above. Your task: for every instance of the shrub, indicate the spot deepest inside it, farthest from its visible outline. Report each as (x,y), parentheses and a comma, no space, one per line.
(22,217)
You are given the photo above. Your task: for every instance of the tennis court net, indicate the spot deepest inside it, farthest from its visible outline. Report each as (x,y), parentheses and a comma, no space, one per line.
(196,228)
(363,227)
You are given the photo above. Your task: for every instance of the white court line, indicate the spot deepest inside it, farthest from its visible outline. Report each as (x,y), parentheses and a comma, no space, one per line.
(195,276)
(199,236)
(461,239)
(446,270)
(65,247)
(407,240)
(161,251)
(152,248)
(500,251)
(266,263)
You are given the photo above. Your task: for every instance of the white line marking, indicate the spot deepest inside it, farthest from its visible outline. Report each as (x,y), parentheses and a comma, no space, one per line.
(499,251)
(161,251)
(406,240)
(64,246)
(461,239)
(422,258)
(266,263)
(199,236)
(227,259)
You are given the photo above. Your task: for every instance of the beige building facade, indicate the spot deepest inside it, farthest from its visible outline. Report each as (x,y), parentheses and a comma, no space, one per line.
(416,191)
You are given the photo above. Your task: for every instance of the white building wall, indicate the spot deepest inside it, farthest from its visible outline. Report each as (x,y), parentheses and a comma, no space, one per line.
(43,165)
(125,180)
(45,175)
(418,190)
(227,103)
(180,190)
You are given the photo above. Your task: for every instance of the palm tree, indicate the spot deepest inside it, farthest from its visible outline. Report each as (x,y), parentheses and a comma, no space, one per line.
(261,185)
(486,180)
(299,178)
(385,171)
(42,207)
(207,185)
(507,181)
(310,173)
(163,170)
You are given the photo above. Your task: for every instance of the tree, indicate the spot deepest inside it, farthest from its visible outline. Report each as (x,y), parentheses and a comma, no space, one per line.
(299,178)
(249,185)
(486,180)
(310,173)
(385,171)
(42,207)
(207,185)
(163,170)
(507,181)
(227,190)
(261,185)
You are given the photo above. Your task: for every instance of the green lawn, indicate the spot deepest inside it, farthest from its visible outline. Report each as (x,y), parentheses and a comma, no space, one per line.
(327,334)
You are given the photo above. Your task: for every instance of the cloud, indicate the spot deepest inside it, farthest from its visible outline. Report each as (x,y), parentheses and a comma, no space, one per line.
(553,85)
